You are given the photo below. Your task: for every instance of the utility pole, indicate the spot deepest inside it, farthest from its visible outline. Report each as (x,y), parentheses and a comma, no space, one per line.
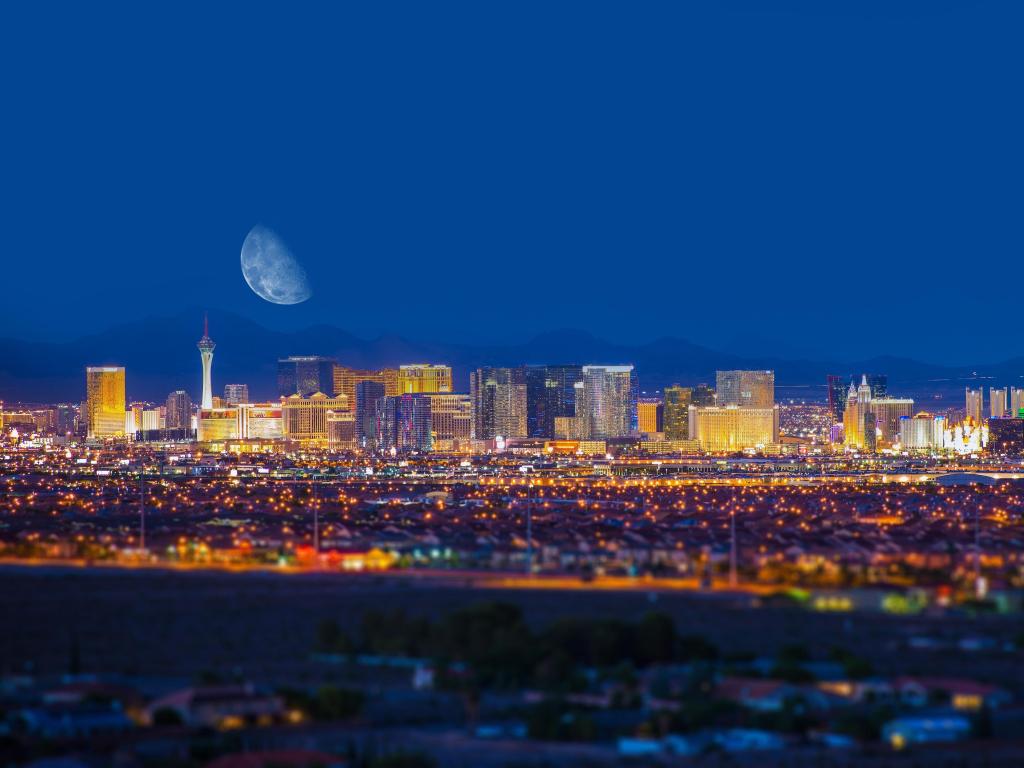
(316,524)
(978,587)
(732,544)
(142,507)
(529,528)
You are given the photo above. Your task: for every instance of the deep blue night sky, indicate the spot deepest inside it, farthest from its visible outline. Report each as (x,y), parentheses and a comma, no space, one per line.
(758,175)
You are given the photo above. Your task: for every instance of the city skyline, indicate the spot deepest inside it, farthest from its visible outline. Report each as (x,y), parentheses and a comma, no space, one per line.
(582,408)
(415,385)
(51,370)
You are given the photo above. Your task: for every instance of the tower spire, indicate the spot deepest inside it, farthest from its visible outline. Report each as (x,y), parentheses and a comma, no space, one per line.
(206,347)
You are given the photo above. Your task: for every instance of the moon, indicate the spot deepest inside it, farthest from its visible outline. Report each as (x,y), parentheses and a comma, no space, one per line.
(270,269)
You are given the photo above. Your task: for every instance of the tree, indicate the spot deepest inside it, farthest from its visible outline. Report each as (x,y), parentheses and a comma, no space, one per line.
(165,716)
(655,639)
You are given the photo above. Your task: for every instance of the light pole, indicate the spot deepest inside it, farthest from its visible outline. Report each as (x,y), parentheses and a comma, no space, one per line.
(142,507)
(732,543)
(978,586)
(529,528)
(316,525)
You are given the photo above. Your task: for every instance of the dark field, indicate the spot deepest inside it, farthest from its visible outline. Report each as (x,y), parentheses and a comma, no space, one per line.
(264,626)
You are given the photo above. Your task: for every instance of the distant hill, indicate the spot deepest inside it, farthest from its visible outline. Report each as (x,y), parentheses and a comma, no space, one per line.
(160,355)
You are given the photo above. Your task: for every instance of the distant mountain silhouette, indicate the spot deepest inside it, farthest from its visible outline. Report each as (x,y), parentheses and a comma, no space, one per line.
(160,356)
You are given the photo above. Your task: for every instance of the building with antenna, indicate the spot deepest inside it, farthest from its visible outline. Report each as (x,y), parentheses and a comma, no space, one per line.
(206,347)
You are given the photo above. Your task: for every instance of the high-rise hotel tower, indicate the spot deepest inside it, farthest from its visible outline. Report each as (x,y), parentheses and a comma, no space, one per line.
(104,388)
(206,347)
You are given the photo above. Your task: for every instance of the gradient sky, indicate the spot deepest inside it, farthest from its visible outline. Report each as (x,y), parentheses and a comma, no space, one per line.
(755,175)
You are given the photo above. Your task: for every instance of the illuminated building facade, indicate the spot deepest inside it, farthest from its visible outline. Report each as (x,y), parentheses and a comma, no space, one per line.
(23,420)
(1016,403)
(975,403)
(105,401)
(341,430)
(923,432)
(150,421)
(888,412)
(997,402)
(858,419)
(304,375)
(206,347)
(569,428)
(719,429)
(499,402)
(649,415)
(178,410)
(451,419)
(870,423)
(368,395)
(261,421)
(217,424)
(133,418)
(65,418)
(837,393)
(550,394)
(236,394)
(404,423)
(246,421)
(423,378)
(346,379)
(608,403)
(745,389)
(966,438)
(676,412)
(305,418)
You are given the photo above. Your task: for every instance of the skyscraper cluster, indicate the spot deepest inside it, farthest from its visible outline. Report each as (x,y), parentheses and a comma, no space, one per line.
(871,419)
(415,407)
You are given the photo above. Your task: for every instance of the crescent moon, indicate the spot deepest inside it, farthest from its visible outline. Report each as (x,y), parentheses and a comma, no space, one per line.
(270,269)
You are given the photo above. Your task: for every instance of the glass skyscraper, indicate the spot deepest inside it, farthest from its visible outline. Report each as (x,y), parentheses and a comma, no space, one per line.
(305,375)
(178,410)
(550,394)
(403,423)
(745,389)
(499,402)
(367,397)
(676,414)
(609,401)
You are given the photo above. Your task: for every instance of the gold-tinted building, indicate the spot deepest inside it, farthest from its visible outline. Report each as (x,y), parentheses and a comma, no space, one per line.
(570,428)
(105,400)
(649,415)
(975,400)
(345,380)
(997,402)
(870,422)
(676,414)
(247,421)
(305,418)
(261,421)
(451,418)
(423,378)
(218,424)
(730,428)
(341,430)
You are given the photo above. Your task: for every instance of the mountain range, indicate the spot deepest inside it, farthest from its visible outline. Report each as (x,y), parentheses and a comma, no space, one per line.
(159,354)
